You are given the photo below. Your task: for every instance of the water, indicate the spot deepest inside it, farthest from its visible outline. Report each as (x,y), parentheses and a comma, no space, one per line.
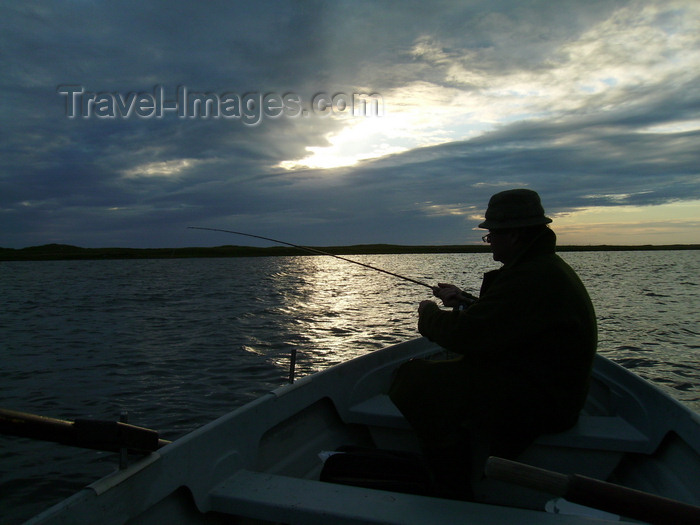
(178,343)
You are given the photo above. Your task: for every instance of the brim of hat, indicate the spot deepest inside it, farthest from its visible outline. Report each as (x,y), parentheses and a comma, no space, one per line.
(516,223)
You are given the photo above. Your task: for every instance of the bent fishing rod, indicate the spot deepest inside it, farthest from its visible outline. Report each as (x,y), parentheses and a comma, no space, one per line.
(317,252)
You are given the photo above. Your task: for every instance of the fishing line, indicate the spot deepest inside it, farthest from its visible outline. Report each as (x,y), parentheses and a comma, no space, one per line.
(318,252)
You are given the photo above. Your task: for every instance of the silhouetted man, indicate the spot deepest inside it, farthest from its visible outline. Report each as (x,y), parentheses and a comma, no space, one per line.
(526,348)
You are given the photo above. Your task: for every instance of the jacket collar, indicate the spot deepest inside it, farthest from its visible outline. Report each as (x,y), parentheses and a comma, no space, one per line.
(544,243)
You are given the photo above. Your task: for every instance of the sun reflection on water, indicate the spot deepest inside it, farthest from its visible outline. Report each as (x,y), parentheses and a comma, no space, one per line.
(338,310)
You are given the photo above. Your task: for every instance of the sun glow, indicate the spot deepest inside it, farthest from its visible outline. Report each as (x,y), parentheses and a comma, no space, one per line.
(417,115)
(361,139)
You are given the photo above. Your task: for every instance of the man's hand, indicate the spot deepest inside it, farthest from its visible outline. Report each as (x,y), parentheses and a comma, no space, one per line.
(425,304)
(451,295)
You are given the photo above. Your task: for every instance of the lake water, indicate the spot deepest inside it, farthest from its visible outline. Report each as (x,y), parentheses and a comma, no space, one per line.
(179,342)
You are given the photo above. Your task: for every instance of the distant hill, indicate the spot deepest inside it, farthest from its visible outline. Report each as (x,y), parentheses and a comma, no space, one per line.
(53,252)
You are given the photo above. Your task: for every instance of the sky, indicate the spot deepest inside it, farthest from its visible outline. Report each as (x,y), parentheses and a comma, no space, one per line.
(346,122)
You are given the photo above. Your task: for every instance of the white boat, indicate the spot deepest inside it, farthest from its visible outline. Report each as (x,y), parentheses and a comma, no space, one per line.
(260,463)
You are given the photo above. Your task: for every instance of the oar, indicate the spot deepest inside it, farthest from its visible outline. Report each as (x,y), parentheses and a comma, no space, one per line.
(111,436)
(317,252)
(597,494)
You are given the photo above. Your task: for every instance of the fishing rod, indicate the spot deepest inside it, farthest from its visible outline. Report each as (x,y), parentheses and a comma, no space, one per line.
(317,252)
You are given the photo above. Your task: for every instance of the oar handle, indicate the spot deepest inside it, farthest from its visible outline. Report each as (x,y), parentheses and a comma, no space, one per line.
(594,493)
(111,436)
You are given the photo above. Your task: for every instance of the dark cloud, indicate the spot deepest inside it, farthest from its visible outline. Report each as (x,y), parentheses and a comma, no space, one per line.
(141,181)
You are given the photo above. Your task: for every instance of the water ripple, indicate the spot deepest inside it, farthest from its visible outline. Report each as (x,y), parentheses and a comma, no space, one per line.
(178,343)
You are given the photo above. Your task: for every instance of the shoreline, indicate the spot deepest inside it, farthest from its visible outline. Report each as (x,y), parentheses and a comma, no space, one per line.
(57,252)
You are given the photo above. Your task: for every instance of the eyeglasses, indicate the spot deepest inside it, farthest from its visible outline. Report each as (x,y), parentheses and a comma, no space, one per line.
(487,238)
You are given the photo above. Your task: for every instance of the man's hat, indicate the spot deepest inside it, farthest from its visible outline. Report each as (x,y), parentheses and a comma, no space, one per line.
(514,209)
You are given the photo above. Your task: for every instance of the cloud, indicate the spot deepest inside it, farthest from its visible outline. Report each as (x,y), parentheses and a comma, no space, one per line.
(595,105)
(169,168)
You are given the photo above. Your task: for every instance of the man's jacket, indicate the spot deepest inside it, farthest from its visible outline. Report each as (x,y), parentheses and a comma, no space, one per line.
(532,331)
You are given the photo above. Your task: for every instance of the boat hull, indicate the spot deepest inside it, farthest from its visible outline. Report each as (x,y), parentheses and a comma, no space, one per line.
(260,464)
